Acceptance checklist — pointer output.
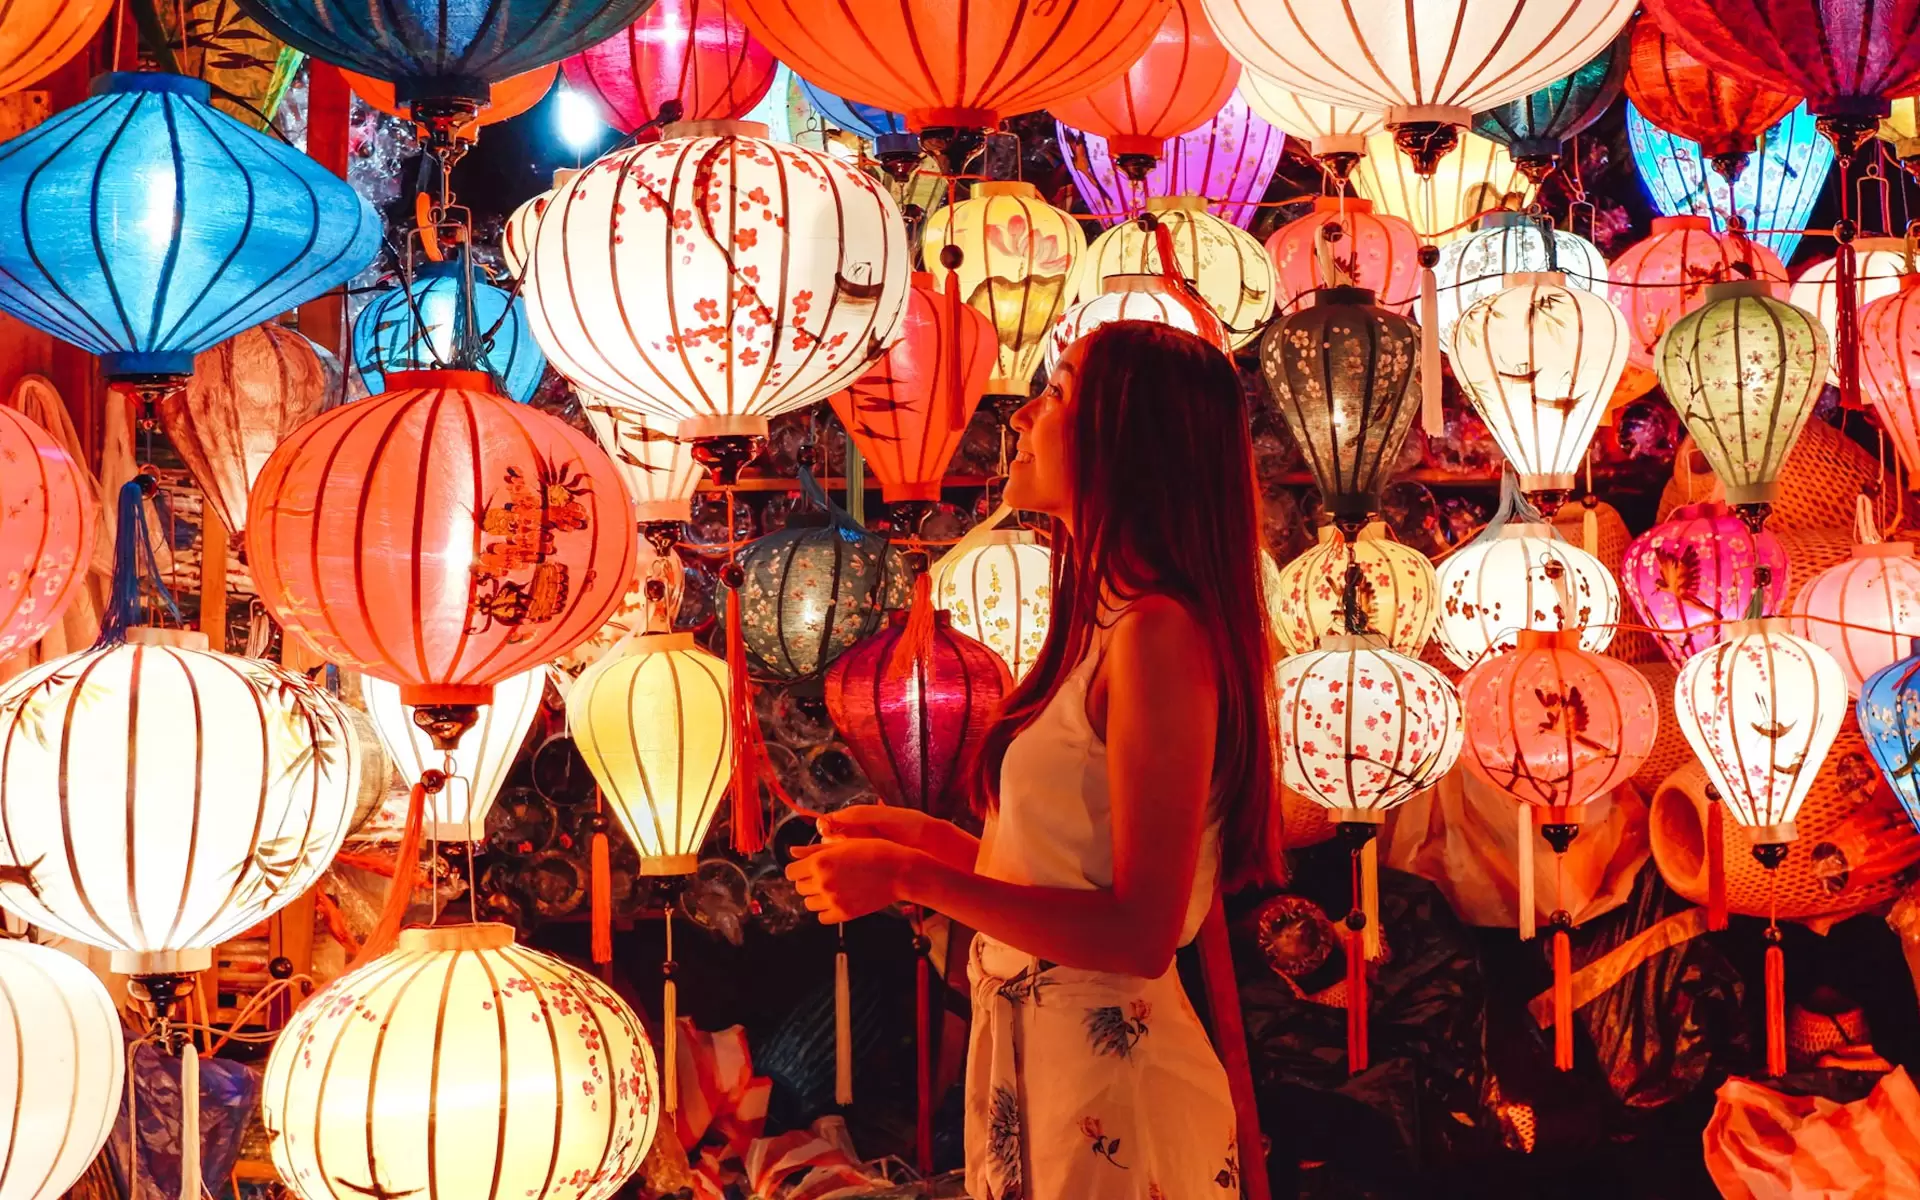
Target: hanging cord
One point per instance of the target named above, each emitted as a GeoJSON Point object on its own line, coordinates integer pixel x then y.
{"type": "Point", "coordinates": [670, 1021]}
{"type": "Point", "coordinates": [134, 562]}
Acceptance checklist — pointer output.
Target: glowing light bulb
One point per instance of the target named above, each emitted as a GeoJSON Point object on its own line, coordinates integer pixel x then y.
{"type": "Point", "coordinates": [574, 118]}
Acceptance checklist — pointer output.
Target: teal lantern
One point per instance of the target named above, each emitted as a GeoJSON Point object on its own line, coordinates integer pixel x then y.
{"type": "Point", "coordinates": [447, 318]}
{"type": "Point", "coordinates": [1889, 713]}
{"type": "Point", "coordinates": [1534, 127]}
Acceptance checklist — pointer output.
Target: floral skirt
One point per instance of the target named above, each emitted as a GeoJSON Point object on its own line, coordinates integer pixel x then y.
{"type": "Point", "coordinates": [1084, 1085]}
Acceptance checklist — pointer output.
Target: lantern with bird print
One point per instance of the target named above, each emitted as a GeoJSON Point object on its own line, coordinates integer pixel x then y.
{"type": "Point", "coordinates": [1658, 280]}
{"type": "Point", "coordinates": [1517, 576]}
{"type": "Point", "coordinates": [1699, 569]}
{"type": "Point", "coordinates": [1395, 591]}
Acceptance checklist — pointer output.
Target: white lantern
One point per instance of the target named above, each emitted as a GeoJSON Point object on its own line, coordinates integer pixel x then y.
{"type": "Point", "coordinates": [1879, 265]}
{"type": "Point", "coordinates": [1539, 360]}
{"type": "Point", "coordinates": [1475, 177]}
{"type": "Point", "coordinates": [1524, 577]}
{"type": "Point", "coordinates": [716, 279]}
{"type": "Point", "coordinates": [998, 589]}
{"type": "Point", "coordinates": [657, 467]}
{"type": "Point", "coordinates": [1332, 133]}
{"type": "Point", "coordinates": [62, 1065]}
{"type": "Point", "coordinates": [1226, 265]}
{"type": "Point", "coordinates": [161, 798]}
{"type": "Point", "coordinates": [1864, 611]}
{"type": "Point", "coordinates": [458, 811]}
{"type": "Point", "coordinates": [461, 1066]}
{"type": "Point", "coordinates": [1474, 267]}
{"type": "Point", "coordinates": [516, 236]}
{"type": "Point", "coordinates": [1123, 298]}
{"type": "Point", "coordinates": [1398, 593]}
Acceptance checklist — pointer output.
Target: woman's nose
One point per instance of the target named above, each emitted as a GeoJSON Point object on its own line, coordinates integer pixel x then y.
{"type": "Point", "coordinates": [1021, 421]}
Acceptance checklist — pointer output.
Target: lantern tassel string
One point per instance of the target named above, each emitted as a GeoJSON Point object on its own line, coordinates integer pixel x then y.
{"type": "Point", "coordinates": [912, 654]}
{"type": "Point", "coordinates": [1356, 983]}
{"type": "Point", "coordinates": [670, 1023]}
{"type": "Point", "coordinates": [922, 1047]}
{"type": "Point", "coordinates": [1562, 968]}
{"type": "Point", "coordinates": [1846, 272]}
{"type": "Point", "coordinates": [956, 398]}
{"type": "Point", "coordinates": [1432, 416]}
{"type": "Point", "coordinates": [1716, 862]}
{"type": "Point", "coordinates": [1523, 831]}
{"type": "Point", "coordinates": [1370, 899]}
{"type": "Point", "coordinates": [133, 560]}
{"type": "Point", "coordinates": [1776, 974]}
{"type": "Point", "coordinates": [189, 1122]}
{"type": "Point", "coordinates": [406, 869]}
{"type": "Point", "coordinates": [601, 887]}
{"type": "Point", "coordinates": [749, 836]}
{"type": "Point", "coordinates": [842, 1026]}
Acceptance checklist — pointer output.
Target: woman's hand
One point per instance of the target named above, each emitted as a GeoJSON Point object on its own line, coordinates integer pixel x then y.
{"type": "Point", "coordinates": [905, 826]}
{"type": "Point", "coordinates": [850, 878]}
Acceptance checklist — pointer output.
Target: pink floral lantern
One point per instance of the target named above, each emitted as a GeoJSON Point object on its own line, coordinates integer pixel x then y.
{"type": "Point", "coordinates": [1864, 611]}
{"type": "Point", "coordinates": [1700, 566]}
{"type": "Point", "coordinates": [1229, 160]}
{"type": "Point", "coordinates": [1344, 236]}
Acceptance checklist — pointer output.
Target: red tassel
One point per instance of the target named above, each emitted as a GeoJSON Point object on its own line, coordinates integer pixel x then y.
{"type": "Point", "coordinates": [914, 651]}
{"type": "Point", "coordinates": [1562, 1000]}
{"type": "Point", "coordinates": [406, 868]}
{"type": "Point", "coordinates": [1776, 1009]}
{"type": "Point", "coordinates": [602, 900]}
{"type": "Point", "coordinates": [749, 826]}
{"type": "Point", "coordinates": [1846, 282]}
{"type": "Point", "coordinates": [1207, 321]}
{"type": "Point", "coordinates": [1716, 867]}
{"type": "Point", "coordinates": [1356, 1005]}
{"type": "Point", "coordinates": [923, 1067]}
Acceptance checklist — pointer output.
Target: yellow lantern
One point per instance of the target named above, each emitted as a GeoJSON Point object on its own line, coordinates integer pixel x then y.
{"type": "Point", "coordinates": [1900, 129]}
{"type": "Point", "coordinates": [1475, 177]}
{"type": "Point", "coordinates": [997, 588]}
{"type": "Point", "coordinates": [1523, 577]}
{"type": "Point", "coordinates": [1880, 264]}
{"type": "Point", "coordinates": [1397, 591]}
{"type": "Point", "coordinates": [516, 236]}
{"type": "Point", "coordinates": [458, 811]}
{"type": "Point", "coordinates": [1020, 258]}
{"type": "Point", "coordinates": [1226, 265]}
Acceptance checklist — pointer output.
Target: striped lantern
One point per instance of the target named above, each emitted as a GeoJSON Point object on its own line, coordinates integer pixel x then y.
{"type": "Point", "coordinates": [1397, 591]}
{"type": "Point", "coordinates": [1478, 176]}
{"type": "Point", "coordinates": [695, 52]}
{"type": "Point", "coordinates": [461, 1065]}
{"type": "Point", "coordinates": [443, 313]}
{"type": "Point", "coordinates": [1336, 136]}
{"type": "Point", "coordinates": [1226, 265]}
{"type": "Point", "coordinates": [1509, 243]}
{"type": "Point", "coordinates": [62, 1065]}
{"type": "Point", "coordinates": [1175, 86]}
{"type": "Point", "coordinates": [1373, 251]}
{"type": "Point", "coordinates": [46, 531]}
{"type": "Point", "coordinates": [1230, 160]}
{"type": "Point", "coordinates": [998, 589]}
{"type": "Point", "coordinates": [1880, 266]}
{"type": "Point", "coordinates": [1122, 298]}
{"type": "Point", "coordinates": [507, 98]}
{"type": "Point", "coordinates": [1725, 113]}
{"type": "Point", "coordinates": [1523, 577]}
{"type": "Point", "coordinates": [1864, 611]}
{"type": "Point", "coordinates": [1661, 278]}
{"type": "Point", "coordinates": [458, 811]}
{"type": "Point", "coordinates": [658, 468]}
{"type": "Point", "coordinates": [35, 39]}
{"type": "Point", "coordinates": [1890, 367]}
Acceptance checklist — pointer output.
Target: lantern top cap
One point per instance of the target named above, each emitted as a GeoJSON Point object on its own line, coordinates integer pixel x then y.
{"type": "Point", "coordinates": [660, 643]}
{"type": "Point", "coordinates": [157, 635]}
{"type": "Point", "coordinates": [1515, 279]}
{"type": "Point", "coordinates": [1005, 187]}
{"type": "Point", "coordinates": [1685, 223]}
{"type": "Point", "coordinates": [443, 939]}
{"type": "Point", "coordinates": [1011, 537]}
{"type": "Point", "coordinates": [1342, 295]}
{"type": "Point", "coordinates": [1505, 218]}
{"type": "Point", "coordinates": [1334, 204]}
{"type": "Point", "coordinates": [1547, 639]}
{"type": "Point", "coordinates": [1737, 289]}
{"type": "Point", "coordinates": [122, 83]}
{"type": "Point", "coordinates": [1129, 281]}
{"type": "Point", "coordinates": [465, 381]}
{"type": "Point", "coordinates": [1755, 627]}
{"type": "Point", "coordinates": [1883, 550]}
{"type": "Point", "coordinates": [1184, 202]}
{"type": "Point", "coordinates": [696, 129]}
{"type": "Point", "coordinates": [1346, 643]}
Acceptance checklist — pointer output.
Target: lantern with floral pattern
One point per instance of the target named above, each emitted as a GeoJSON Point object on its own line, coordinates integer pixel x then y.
{"type": "Point", "coordinates": [1230, 160]}
{"type": "Point", "coordinates": [1343, 242]}
{"type": "Point", "coordinates": [1697, 570]}
{"type": "Point", "coordinates": [46, 531]}
{"type": "Point", "coordinates": [1395, 591]}
{"type": "Point", "coordinates": [1522, 577]}
{"type": "Point", "coordinates": [997, 589]}
{"type": "Point", "coordinates": [1225, 264]}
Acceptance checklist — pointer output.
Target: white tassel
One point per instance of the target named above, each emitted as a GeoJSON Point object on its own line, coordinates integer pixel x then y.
{"type": "Point", "coordinates": [189, 1122]}
{"type": "Point", "coordinates": [1866, 523]}
{"type": "Point", "coordinates": [1432, 417]}
{"type": "Point", "coordinates": [1525, 833]}
{"type": "Point", "coordinates": [842, 1033]}
{"type": "Point", "coordinates": [1370, 898]}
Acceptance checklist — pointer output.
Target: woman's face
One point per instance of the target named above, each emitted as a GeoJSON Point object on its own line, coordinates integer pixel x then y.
{"type": "Point", "coordinates": [1040, 478]}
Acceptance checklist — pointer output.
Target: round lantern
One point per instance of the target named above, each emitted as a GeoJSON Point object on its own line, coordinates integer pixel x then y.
{"type": "Point", "coordinates": [229, 227]}
{"type": "Point", "coordinates": [458, 811]}
{"type": "Point", "coordinates": [744, 278]}
{"type": "Point", "coordinates": [1889, 713]}
{"type": "Point", "coordinates": [657, 467]}
{"type": "Point", "coordinates": [1344, 242]}
{"type": "Point", "coordinates": [1890, 366]}
{"type": "Point", "coordinates": [441, 537]}
{"type": "Point", "coordinates": [37, 39]}
{"type": "Point", "coordinates": [931, 62]}
{"type": "Point", "coordinates": [162, 798]}
{"type": "Point", "coordinates": [1523, 577]}
{"type": "Point", "coordinates": [908, 413]}
{"type": "Point", "coordinates": [461, 1065]}
{"type": "Point", "coordinates": [1336, 137]}
{"type": "Point", "coordinates": [1396, 591]}
{"type": "Point", "coordinates": [1744, 371]}
{"type": "Point", "coordinates": [1020, 258]}
{"type": "Point", "coordinates": [1345, 374]}
{"type": "Point", "coordinates": [1880, 266]}
{"type": "Point", "coordinates": [1724, 112]}
{"type": "Point", "coordinates": [862, 120]}
{"type": "Point", "coordinates": [810, 592]}
{"type": "Point", "coordinates": [1176, 85]}
{"type": "Point", "coordinates": [46, 531]}
{"type": "Point", "coordinates": [506, 99]}
{"type": "Point", "coordinates": [1474, 267]}
{"type": "Point", "coordinates": [62, 1066]}
{"type": "Point", "coordinates": [694, 51]}
{"type": "Point", "coordinates": [1124, 298]}
{"type": "Point", "coordinates": [1476, 177]}
{"type": "Point", "coordinates": [914, 721]}
{"type": "Point", "coordinates": [1774, 194]}
{"type": "Point", "coordinates": [516, 236]}
{"type": "Point", "coordinates": [1539, 360]}
{"type": "Point", "coordinates": [440, 318]}
{"type": "Point", "coordinates": [1864, 611]}
{"type": "Point", "coordinates": [246, 395]}
{"type": "Point", "coordinates": [1900, 130]}
{"type": "Point", "coordinates": [999, 591]}
{"type": "Point", "coordinates": [651, 720]}
{"type": "Point", "coordinates": [1230, 160]}
{"type": "Point", "coordinates": [1659, 280]}
{"type": "Point", "coordinates": [1697, 569]}
{"type": "Point", "coordinates": [1226, 265]}
{"type": "Point", "coordinates": [1533, 127]}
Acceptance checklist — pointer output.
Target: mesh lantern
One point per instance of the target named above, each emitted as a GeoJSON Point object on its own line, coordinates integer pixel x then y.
{"type": "Point", "coordinates": [1522, 577]}
{"type": "Point", "coordinates": [1176, 85]}
{"type": "Point", "coordinates": [1344, 242]}
{"type": "Point", "coordinates": [1881, 264]}
{"type": "Point", "coordinates": [1890, 367]}
{"type": "Point", "coordinates": [1501, 244]}
{"type": "Point", "coordinates": [461, 1065]}
{"type": "Point", "coordinates": [46, 531]}
{"type": "Point", "coordinates": [743, 278]}
{"type": "Point", "coordinates": [997, 589]}
{"type": "Point", "coordinates": [1230, 160]}
{"type": "Point", "coordinates": [1534, 127]}
{"type": "Point", "coordinates": [1698, 569]}
{"type": "Point", "coordinates": [657, 467]}
{"type": "Point", "coordinates": [426, 323]}
{"type": "Point", "coordinates": [458, 811]}
{"type": "Point", "coordinates": [1123, 298]}
{"type": "Point", "coordinates": [1723, 112]}
{"type": "Point", "coordinates": [37, 39]}
{"type": "Point", "coordinates": [62, 1066]}
{"type": "Point", "coordinates": [1336, 137]}
{"type": "Point", "coordinates": [1019, 260]}
{"type": "Point", "coordinates": [1396, 591]}
{"type": "Point", "coordinates": [1864, 611]}
{"type": "Point", "coordinates": [696, 52]}
{"type": "Point", "coordinates": [1744, 371]}
{"type": "Point", "coordinates": [1889, 715]}
{"type": "Point", "coordinates": [1476, 177]}
{"type": "Point", "coordinates": [1660, 279]}
{"type": "Point", "coordinates": [1774, 194]}
{"type": "Point", "coordinates": [1226, 265]}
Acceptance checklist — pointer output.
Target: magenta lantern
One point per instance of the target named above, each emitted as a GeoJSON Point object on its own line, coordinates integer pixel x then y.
{"type": "Point", "coordinates": [1701, 565]}
{"type": "Point", "coordinates": [1229, 160]}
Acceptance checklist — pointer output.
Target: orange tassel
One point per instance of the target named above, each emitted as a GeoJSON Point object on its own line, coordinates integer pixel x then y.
{"type": "Point", "coordinates": [1716, 867]}
{"type": "Point", "coordinates": [602, 899]}
{"type": "Point", "coordinates": [914, 651]}
{"type": "Point", "coordinates": [1776, 1009]}
{"type": "Point", "coordinates": [406, 868]}
{"type": "Point", "coordinates": [1356, 1004]}
{"type": "Point", "coordinates": [1433, 418]}
{"type": "Point", "coordinates": [749, 833]}
{"type": "Point", "coordinates": [1562, 1000]}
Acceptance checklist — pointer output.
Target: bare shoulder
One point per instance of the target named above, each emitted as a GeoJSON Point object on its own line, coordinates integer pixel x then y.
{"type": "Point", "coordinates": [1163, 637]}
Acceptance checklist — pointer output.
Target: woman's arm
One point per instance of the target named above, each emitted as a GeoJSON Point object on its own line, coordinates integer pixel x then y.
{"type": "Point", "coordinates": [916, 830]}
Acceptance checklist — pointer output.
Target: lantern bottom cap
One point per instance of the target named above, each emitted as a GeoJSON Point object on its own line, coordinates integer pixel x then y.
{"type": "Point", "coordinates": [1751, 493]}
{"type": "Point", "coordinates": [1438, 114]}
{"type": "Point", "coordinates": [646, 511]}
{"type": "Point", "coordinates": [922, 119]}
{"type": "Point", "coordinates": [420, 695]}
{"type": "Point", "coordinates": [1560, 481]}
{"type": "Point", "coordinates": [484, 935]}
{"type": "Point", "coordinates": [134, 364]}
{"type": "Point", "coordinates": [717, 425]}
{"type": "Point", "coordinates": [670, 864]}
{"type": "Point", "coordinates": [1772, 835]}
{"type": "Point", "coordinates": [1339, 143]}
{"type": "Point", "coordinates": [160, 962]}
{"type": "Point", "coordinates": [460, 832]}
{"type": "Point", "coordinates": [1358, 816]}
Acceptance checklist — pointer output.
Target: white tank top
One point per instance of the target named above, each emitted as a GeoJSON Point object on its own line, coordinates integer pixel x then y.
{"type": "Point", "coordinates": [1054, 825]}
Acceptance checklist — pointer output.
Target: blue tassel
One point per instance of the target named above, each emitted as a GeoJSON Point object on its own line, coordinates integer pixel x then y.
{"type": "Point", "coordinates": [132, 555]}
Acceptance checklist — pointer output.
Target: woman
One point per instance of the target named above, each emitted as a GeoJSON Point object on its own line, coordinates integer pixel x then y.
{"type": "Point", "coordinates": [1126, 766]}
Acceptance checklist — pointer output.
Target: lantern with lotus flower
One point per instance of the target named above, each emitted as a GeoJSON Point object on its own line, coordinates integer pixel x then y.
{"type": "Point", "coordinates": [1699, 569]}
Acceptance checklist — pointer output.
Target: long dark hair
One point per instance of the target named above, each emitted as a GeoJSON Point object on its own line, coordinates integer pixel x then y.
{"type": "Point", "coordinates": [1165, 504]}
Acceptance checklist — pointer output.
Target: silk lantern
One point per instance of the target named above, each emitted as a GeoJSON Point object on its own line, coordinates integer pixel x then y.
{"type": "Point", "coordinates": [1773, 195]}
{"type": "Point", "coordinates": [1124, 298]}
{"type": "Point", "coordinates": [46, 531]}
{"type": "Point", "coordinates": [37, 39]}
{"type": "Point", "coordinates": [813, 589]}
{"type": "Point", "coordinates": [696, 52]}
{"type": "Point", "coordinates": [461, 1065]}
{"type": "Point", "coordinates": [1881, 264]}
{"type": "Point", "coordinates": [479, 764]}
{"type": "Point", "coordinates": [1864, 611]}
{"type": "Point", "coordinates": [1343, 242]}
{"type": "Point", "coordinates": [657, 467]}
{"type": "Point", "coordinates": [1476, 177]}
{"type": "Point", "coordinates": [743, 279]}
{"type": "Point", "coordinates": [506, 99]}
{"type": "Point", "coordinates": [1344, 373]}
{"type": "Point", "coordinates": [516, 235]}
{"type": "Point", "coordinates": [1395, 591]}
{"type": "Point", "coordinates": [1176, 85]}
{"type": "Point", "coordinates": [898, 148]}
{"type": "Point", "coordinates": [1020, 258]}
{"type": "Point", "coordinates": [448, 315]}
{"type": "Point", "coordinates": [1539, 361]}
{"type": "Point", "coordinates": [1226, 265]}
{"type": "Point", "coordinates": [908, 413]}
{"type": "Point", "coordinates": [145, 226]}
{"type": "Point", "coordinates": [441, 537]}
{"type": "Point", "coordinates": [1723, 112]}
{"type": "Point", "coordinates": [1522, 577]}
{"type": "Point", "coordinates": [1229, 160]}
{"type": "Point", "coordinates": [1890, 366]}
{"type": "Point", "coordinates": [62, 1066]}
{"type": "Point", "coordinates": [1336, 137]}
{"type": "Point", "coordinates": [1474, 267]}
{"type": "Point", "coordinates": [1697, 570]}
{"type": "Point", "coordinates": [1533, 127]}
{"type": "Point", "coordinates": [1657, 281]}
{"type": "Point", "coordinates": [1889, 715]}
{"type": "Point", "coordinates": [1744, 371]}
{"type": "Point", "coordinates": [996, 587]}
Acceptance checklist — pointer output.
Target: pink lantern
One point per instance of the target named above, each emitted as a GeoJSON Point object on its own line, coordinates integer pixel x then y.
{"type": "Point", "coordinates": [1230, 160]}
{"type": "Point", "coordinates": [1664, 277]}
{"type": "Point", "coordinates": [1700, 566]}
{"type": "Point", "coordinates": [1373, 250]}
{"type": "Point", "coordinates": [1864, 611]}
{"type": "Point", "coordinates": [697, 52]}
{"type": "Point", "coordinates": [46, 531]}
{"type": "Point", "coordinates": [1890, 366]}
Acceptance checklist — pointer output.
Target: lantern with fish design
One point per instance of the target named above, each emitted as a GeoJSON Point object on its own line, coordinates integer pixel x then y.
{"type": "Point", "coordinates": [1699, 569]}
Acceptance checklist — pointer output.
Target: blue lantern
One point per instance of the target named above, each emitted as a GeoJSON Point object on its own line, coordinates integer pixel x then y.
{"type": "Point", "coordinates": [1889, 712]}
{"type": "Point", "coordinates": [1774, 194]}
{"type": "Point", "coordinates": [430, 325]}
{"type": "Point", "coordinates": [145, 225]}
{"type": "Point", "coordinates": [1533, 127]}
{"type": "Point", "coordinates": [896, 146]}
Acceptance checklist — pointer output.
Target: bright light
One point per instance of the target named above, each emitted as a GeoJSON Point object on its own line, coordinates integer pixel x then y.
{"type": "Point", "coordinates": [577, 122]}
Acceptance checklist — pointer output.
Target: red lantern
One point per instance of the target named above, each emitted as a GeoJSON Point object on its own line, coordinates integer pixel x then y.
{"type": "Point", "coordinates": [1663, 278]}
{"type": "Point", "coordinates": [1175, 87]}
{"type": "Point", "coordinates": [1677, 92]}
{"type": "Point", "coordinates": [909, 411]}
{"type": "Point", "coordinates": [46, 530]}
{"type": "Point", "coordinates": [441, 537]}
{"type": "Point", "coordinates": [695, 51]}
{"type": "Point", "coordinates": [1373, 250]}
{"type": "Point", "coordinates": [1890, 366]}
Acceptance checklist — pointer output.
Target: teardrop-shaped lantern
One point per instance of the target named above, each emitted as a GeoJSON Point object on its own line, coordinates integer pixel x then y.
{"type": "Point", "coordinates": [695, 52]}
{"type": "Point", "coordinates": [1773, 195]}
{"type": "Point", "coordinates": [1522, 577]}
{"type": "Point", "coordinates": [658, 468]}
{"type": "Point", "coordinates": [1534, 127]}
{"type": "Point", "coordinates": [1663, 277]}
{"type": "Point", "coordinates": [1696, 571]}
{"type": "Point", "coordinates": [1476, 177]}
{"type": "Point", "coordinates": [1396, 591]}
{"type": "Point", "coordinates": [1177, 84]}
{"type": "Point", "coordinates": [1123, 298]}
{"type": "Point", "coordinates": [1343, 242]}
{"type": "Point", "coordinates": [431, 321]}
{"type": "Point", "coordinates": [46, 531]}
{"type": "Point", "coordinates": [61, 1076]}
{"type": "Point", "coordinates": [1336, 136]}
{"type": "Point", "coordinates": [998, 589]}
{"type": "Point", "coordinates": [1474, 267]}
{"type": "Point", "coordinates": [1226, 265]}
{"type": "Point", "coordinates": [1880, 265]}
{"type": "Point", "coordinates": [1890, 367]}
{"type": "Point", "coordinates": [458, 811]}
{"type": "Point", "coordinates": [1889, 714]}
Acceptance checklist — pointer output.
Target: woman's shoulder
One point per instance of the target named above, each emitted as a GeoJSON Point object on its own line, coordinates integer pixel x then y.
{"type": "Point", "coordinates": [1160, 629]}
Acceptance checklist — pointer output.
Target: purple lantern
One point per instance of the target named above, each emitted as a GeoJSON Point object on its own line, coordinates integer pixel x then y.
{"type": "Point", "coordinates": [1229, 160]}
{"type": "Point", "coordinates": [1697, 567]}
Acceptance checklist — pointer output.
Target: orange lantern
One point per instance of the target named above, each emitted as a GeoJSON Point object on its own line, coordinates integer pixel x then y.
{"type": "Point", "coordinates": [1676, 92]}
{"type": "Point", "coordinates": [511, 97]}
{"type": "Point", "coordinates": [36, 39]}
{"type": "Point", "coordinates": [1176, 86]}
{"type": "Point", "coordinates": [441, 537]}
{"type": "Point", "coordinates": [694, 51]}
{"type": "Point", "coordinates": [46, 530]}
{"type": "Point", "coordinates": [961, 63]}
{"type": "Point", "coordinates": [908, 412]}
{"type": "Point", "coordinates": [1343, 242]}
{"type": "Point", "coordinates": [1662, 278]}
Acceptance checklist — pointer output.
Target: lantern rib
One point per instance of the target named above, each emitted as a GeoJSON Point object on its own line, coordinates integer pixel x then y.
{"type": "Point", "coordinates": [665, 843]}
{"type": "Point", "coordinates": [99, 249]}
{"type": "Point", "coordinates": [711, 791]}
{"type": "Point", "coordinates": [372, 1068]}
{"type": "Point", "coordinates": [26, 295]}
{"type": "Point", "coordinates": [66, 823]}
{"type": "Point", "coordinates": [199, 779]}
{"type": "Point", "coordinates": [506, 1074]}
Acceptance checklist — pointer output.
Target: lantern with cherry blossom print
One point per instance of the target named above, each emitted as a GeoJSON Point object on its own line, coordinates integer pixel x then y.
{"type": "Point", "coordinates": [1501, 244]}
{"type": "Point", "coordinates": [1880, 264]}
{"type": "Point", "coordinates": [1476, 177]}
{"type": "Point", "coordinates": [1124, 298]}
{"type": "Point", "coordinates": [1520, 576]}
{"type": "Point", "coordinates": [1344, 242]}
{"type": "Point", "coordinates": [1226, 265]}
{"type": "Point", "coordinates": [1336, 137]}
{"type": "Point", "coordinates": [996, 586]}
{"type": "Point", "coordinates": [1534, 126]}
{"type": "Point", "coordinates": [1698, 569]}
{"type": "Point", "coordinates": [1890, 366]}
{"type": "Point", "coordinates": [1773, 195]}
{"type": "Point", "coordinates": [1394, 591]}
{"type": "Point", "coordinates": [1658, 280]}
{"type": "Point", "coordinates": [1722, 111]}
{"type": "Point", "coordinates": [695, 52]}
{"type": "Point", "coordinates": [46, 531]}
{"type": "Point", "coordinates": [1176, 85]}
{"type": "Point", "coordinates": [1230, 160]}
{"type": "Point", "coordinates": [35, 39]}
{"type": "Point", "coordinates": [658, 468]}
{"type": "Point", "coordinates": [1864, 611]}
{"type": "Point", "coordinates": [458, 811]}
{"type": "Point", "coordinates": [1889, 715]}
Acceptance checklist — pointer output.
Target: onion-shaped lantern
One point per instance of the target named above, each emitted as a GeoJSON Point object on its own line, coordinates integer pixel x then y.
{"type": "Point", "coordinates": [62, 1071]}
{"type": "Point", "coordinates": [813, 589]}
{"type": "Point", "coordinates": [1657, 281]}
{"type": "Point", "coordinates": [744, 278]}
{"type": "Point", "coordinates": [1744, 371]}
{"type": "Point", "coordinates": [441, 537]}
{"type": "Point", "coordinates": [1509, 243]}
{"type": "Point", "coordinates": [696, 52]}
{"type": "Point", "coordinates": [1475, 178]}
{"type": "Point", "coordinates": [908, 413]}
{"type": "Point", "coordinates": [516, 236]}
{"type": "Point", "coordinates": [1123, 298]}
{"type": "Point", "coordinates": [1395, 591]}
{"type": "Point", "coordinates": [652, 721]}
{"type": "Point", "coordinates": [1880, 265]}
{"type": "Point", "coordinates": [1343, 242]}
{"type": "Point", "coordinates": [1226, 265]}
{"type": "Point", "coordinates": [506, 99]}
{"type": "Point", "coordinates": [1230, 160]}
{"type": "Point", "coordinates": [46, 531]}
{"type": "Point", "coordinates": [1523, 577]}
{"type": "Point", "coordinates": [1724, 112]}
{"type": "Point", "coordinates": [914, 716]}
{"type": "Point", "coordinates": [998, 589]}
{"type": "Point", "coordinates": [1864, 611]}
{"type": "Point", "coordinates": [1890, 366]}
{"type": "Point", "coordinates": [457, 812]}
{"type": "Point", "coordinates": [225, 228]}
{"type": "Point", "coordinates": [1773, 195]}
{"type": "Point", "coordinates": [1539, 360]}
{"type": "Point", "coordinates": [1345, 374]}
{"type": "Point", "coordinates": [461, 1065]}
{"type": "Point", "coordinates": [1533, 127]}
{"type": "Point", "coordinates": [1019, 260]}
{"type": "Point", "coordinates": [37, 39]}
{"type": "Point", "coordinates": [1697, 570]}
{"type": "Point", "coordinates": [1889, 714]}
{"type": "Point", "coordinates": [1176, 85]}
{"type": "Point", "coordinates": [1336, 137]}
{"type": "Point", "coordinates": [161, 798]}
{"type": "Point", "coordinates": [657, 467]}
{"type": "Point", "coordinates": [447, 315]}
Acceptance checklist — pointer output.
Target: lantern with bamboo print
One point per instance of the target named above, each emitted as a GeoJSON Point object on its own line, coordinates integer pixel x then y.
{"type": "Point", "coordinates": [1864, 611]}
{"type": "Point", "coordinates": [1223, 264]}
{"type": "Point", "coordinates": [1397, 592]}
{"type": "Point", "coordinates": [1336, 137]}
{"type": "Point", "coordinates": [696, 53]}
{"type": "Point", "coordinates": [1698, 570]}
{"type": "Point", "coordinates": [1555, 727]}
{"type": "Point", "coordinates": [1761, 709]}
{"type": "Point", "coordinates": [657, 467]}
